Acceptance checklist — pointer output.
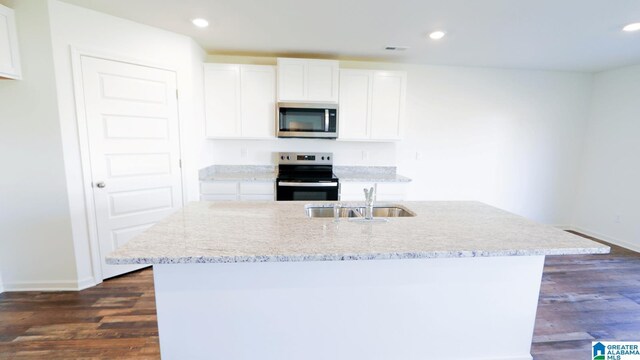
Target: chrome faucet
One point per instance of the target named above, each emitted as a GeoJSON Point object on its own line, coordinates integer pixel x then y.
{"type": "Point", "coordinates": [369, 196]}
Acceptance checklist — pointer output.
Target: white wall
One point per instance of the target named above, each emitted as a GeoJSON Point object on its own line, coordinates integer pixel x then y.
{"type": "Point", "coordinates": [35, 247]}
{"type": "Point", "coordinates": [510, 138]}
{"type": "Point", "coordinates": [609, 194]}
{"type": "Point", "coordinates": [111, 37]}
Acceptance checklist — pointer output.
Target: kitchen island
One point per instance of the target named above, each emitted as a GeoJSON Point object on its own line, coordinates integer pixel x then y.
{"type": "Point", "coordinates": [262, 280]}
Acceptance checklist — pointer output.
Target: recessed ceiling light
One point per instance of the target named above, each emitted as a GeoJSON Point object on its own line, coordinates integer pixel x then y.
{"type": "Point", "coordinates": [437, 35]}
{"type": "Point", "coordinates": [199, 22]}
{"type": "Point", "coordinates": [632, 27]}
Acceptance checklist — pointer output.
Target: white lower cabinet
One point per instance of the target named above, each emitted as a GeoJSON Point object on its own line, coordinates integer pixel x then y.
{"type": "Point", "coordinates": [237, 190]}
{"type": "Point", "coordinates": [384, 191]}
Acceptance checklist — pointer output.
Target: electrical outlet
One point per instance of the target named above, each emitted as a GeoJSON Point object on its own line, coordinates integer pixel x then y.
{"type": "Point", "coordinates": [244, 153]}
{"type": "Point", "coordinates": [365, 155]}
{"type": "Point", "coordinates": [418, 155]}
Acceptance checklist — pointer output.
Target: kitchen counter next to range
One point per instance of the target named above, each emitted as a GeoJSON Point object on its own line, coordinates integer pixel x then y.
{"type": "Point", "coordinates": [269, 173]}
{"type": "Point", "coordinates": [369, 174]}
{"type": "Point", "coordinates": [227, 232]}
{"type": "Point", "coordinates": [238, 173]}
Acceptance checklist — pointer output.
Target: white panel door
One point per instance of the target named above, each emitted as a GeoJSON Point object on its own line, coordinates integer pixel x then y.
{"type": "Point", "coordinates": [322, 83]}
{"type": "Point", "coordinates": [133, 132]}
{"type": "Point", "coordinates": [258, 98]}
{"type": "Point", "coordinates": [222, 100]}
{"type": "Point", "coordinates": [291, 80]}
{"type": "Point", "coordinates": [355, 90]}
{"type": "Point", "coordinates": [387, 104]}
{"type": "Point", "coordinates": [9, 57]}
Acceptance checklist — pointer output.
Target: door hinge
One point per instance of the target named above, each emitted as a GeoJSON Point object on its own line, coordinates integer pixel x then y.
{"type": "Point", "coordinates": [180, 163]}
{"type": "Point", "coordinates": [176, 93]}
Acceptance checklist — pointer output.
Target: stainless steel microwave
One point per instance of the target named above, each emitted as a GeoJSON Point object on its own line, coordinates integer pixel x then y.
{"type": "Point", "coordinates": [307, 120]}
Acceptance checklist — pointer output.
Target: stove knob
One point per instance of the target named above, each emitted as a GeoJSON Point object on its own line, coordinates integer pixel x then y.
{"type": "Point", "coordinates": [282, 157]}
{"type": "Point", "coordinates": [323, 158]}
{"type": "Point", "coordinates": [287, 157]}
{"type": "Point", "coordinates": [328, 157]}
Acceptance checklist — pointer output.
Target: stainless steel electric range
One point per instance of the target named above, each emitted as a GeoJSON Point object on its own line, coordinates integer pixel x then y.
{"type": "Point", "coordinates": [306, 176]}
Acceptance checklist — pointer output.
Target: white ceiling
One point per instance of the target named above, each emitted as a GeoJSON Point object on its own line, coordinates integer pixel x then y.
{"type": "Point", "coordinates": [582, 35]}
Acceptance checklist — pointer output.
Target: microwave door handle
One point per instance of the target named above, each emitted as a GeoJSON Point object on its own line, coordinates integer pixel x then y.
{"type": "Point", "coordinates": [326, 120]}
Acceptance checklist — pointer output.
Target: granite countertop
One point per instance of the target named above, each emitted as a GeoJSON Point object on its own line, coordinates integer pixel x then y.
{"type": "Point", "coordinates": [369, 174]}
{"type": "Point", "coordinates": [227, 232]}
{"type": "Point", "coordinates": [239, 173]}
{"type": "Point", "coordinates": [269, 173]}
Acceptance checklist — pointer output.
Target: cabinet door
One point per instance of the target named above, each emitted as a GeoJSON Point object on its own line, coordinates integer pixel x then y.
{"type": "Point", "coordinates": [257, 188]}
{"type": "Point", "coordinates": [355, 91]}
{"type": "Point", "coordinates": [387, 104]}
{"type": "Point", "coordinates": [291, 80]}
{"type": "Point", "coordinates": [322, 80]}
{"type": "Point", "coordinates": [9, 58]}
{"type": "Point", "coordinates": [222, 100]}
{"type": "Point", "coordinates": [353, 191]}
{"type": "Point", "coordinates": [258, 97]}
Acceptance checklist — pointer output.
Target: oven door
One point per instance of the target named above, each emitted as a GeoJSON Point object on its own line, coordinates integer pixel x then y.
{"type": "Point", "coordinates": [287, 190]}
{"type": "Point", "coordinates": [307, 120]}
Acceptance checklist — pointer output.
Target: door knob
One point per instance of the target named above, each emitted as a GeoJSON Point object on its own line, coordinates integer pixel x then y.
{"type": "Point", "coordinates": [101, 184]}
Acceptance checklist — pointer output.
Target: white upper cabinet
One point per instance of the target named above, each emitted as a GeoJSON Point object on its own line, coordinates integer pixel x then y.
{"type": "Point", "coordinates": [307, 80]}
{"type": "Point", "coordinates": [387, 104]}
{"type": "Point", "coordinates": [355, 104]}
{"type": "Point", "coordinates": [222, 99]}
{"type": "Point", "coordinates": [258, 101]}
{"type": "Point", "coordinates": [371, 104]}
{"type": "Point", "coordinates": [240, 101]}
{"type": "Point", "coordinates": [9, 55]}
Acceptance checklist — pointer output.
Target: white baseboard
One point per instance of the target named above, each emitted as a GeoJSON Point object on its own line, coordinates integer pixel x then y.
{"type": "Point", "coordinates": [86, 283]}
{"type": "Point", "coordinates": [609, 239]}
{"type": "Point", "coordinates": [49, 285]}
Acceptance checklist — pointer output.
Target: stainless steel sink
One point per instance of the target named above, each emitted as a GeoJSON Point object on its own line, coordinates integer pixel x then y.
{"type": "Point", "coordinates": [326, 211]}
{"type": "Point", "coordinates": [388, 211]}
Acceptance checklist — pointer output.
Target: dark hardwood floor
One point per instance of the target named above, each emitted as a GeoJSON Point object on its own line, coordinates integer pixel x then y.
{"type": "Point", "coordinates": [582, 298]}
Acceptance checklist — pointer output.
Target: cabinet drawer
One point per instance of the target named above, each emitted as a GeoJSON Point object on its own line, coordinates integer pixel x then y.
{"type": "Point", "coordinates": [351, 197]}
{"type": "Point", "coordinates": [219, 187]}
{"type": "Point", "coordinates": [257, 188]}
{"type": "Point", "coordinates": [255, 197]}
{"type": "Point", "coordinates": [218, 197]}
{"type": "Point", "coordinates": [391, 188]}
{"type": "Point", "coordinates": [390, 197]}
{"type": "Point", "coordinates": [355, 187]}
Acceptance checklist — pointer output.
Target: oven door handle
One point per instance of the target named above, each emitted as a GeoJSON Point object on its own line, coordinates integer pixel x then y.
{"type": "Point", "coordinates": [303, 184]}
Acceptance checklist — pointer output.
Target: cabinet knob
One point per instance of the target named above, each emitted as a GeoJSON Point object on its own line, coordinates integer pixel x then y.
{"type": "Point", "coordinates": [101, 185]}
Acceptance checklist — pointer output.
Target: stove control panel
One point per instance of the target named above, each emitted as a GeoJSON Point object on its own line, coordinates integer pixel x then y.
{"type": "Point", "coordinates": [305, 158]}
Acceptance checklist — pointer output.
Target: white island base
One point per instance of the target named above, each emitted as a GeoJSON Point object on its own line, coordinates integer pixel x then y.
{"type": "Point", "coordinates": [441, 308]}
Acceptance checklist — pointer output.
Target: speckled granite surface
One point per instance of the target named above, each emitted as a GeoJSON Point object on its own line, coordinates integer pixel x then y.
{"type": "Point", "coordinates": [239, 173]}
{"type": "Point", "coordinates": [214, 232]}
{"type": "Point", "coordinates": [369, 173]}
{"type": "Point", "coordinates": [269, 173]}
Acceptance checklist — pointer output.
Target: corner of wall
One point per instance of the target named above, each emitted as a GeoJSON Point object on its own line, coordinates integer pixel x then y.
{"type": "Point", "coordinates": [39, 248]}
{"type": "Point", "coordinates": [581, 160]}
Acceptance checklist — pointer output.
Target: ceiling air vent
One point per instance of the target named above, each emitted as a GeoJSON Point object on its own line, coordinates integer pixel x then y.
{"type": "Point", "coordinates": [396, 48]}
